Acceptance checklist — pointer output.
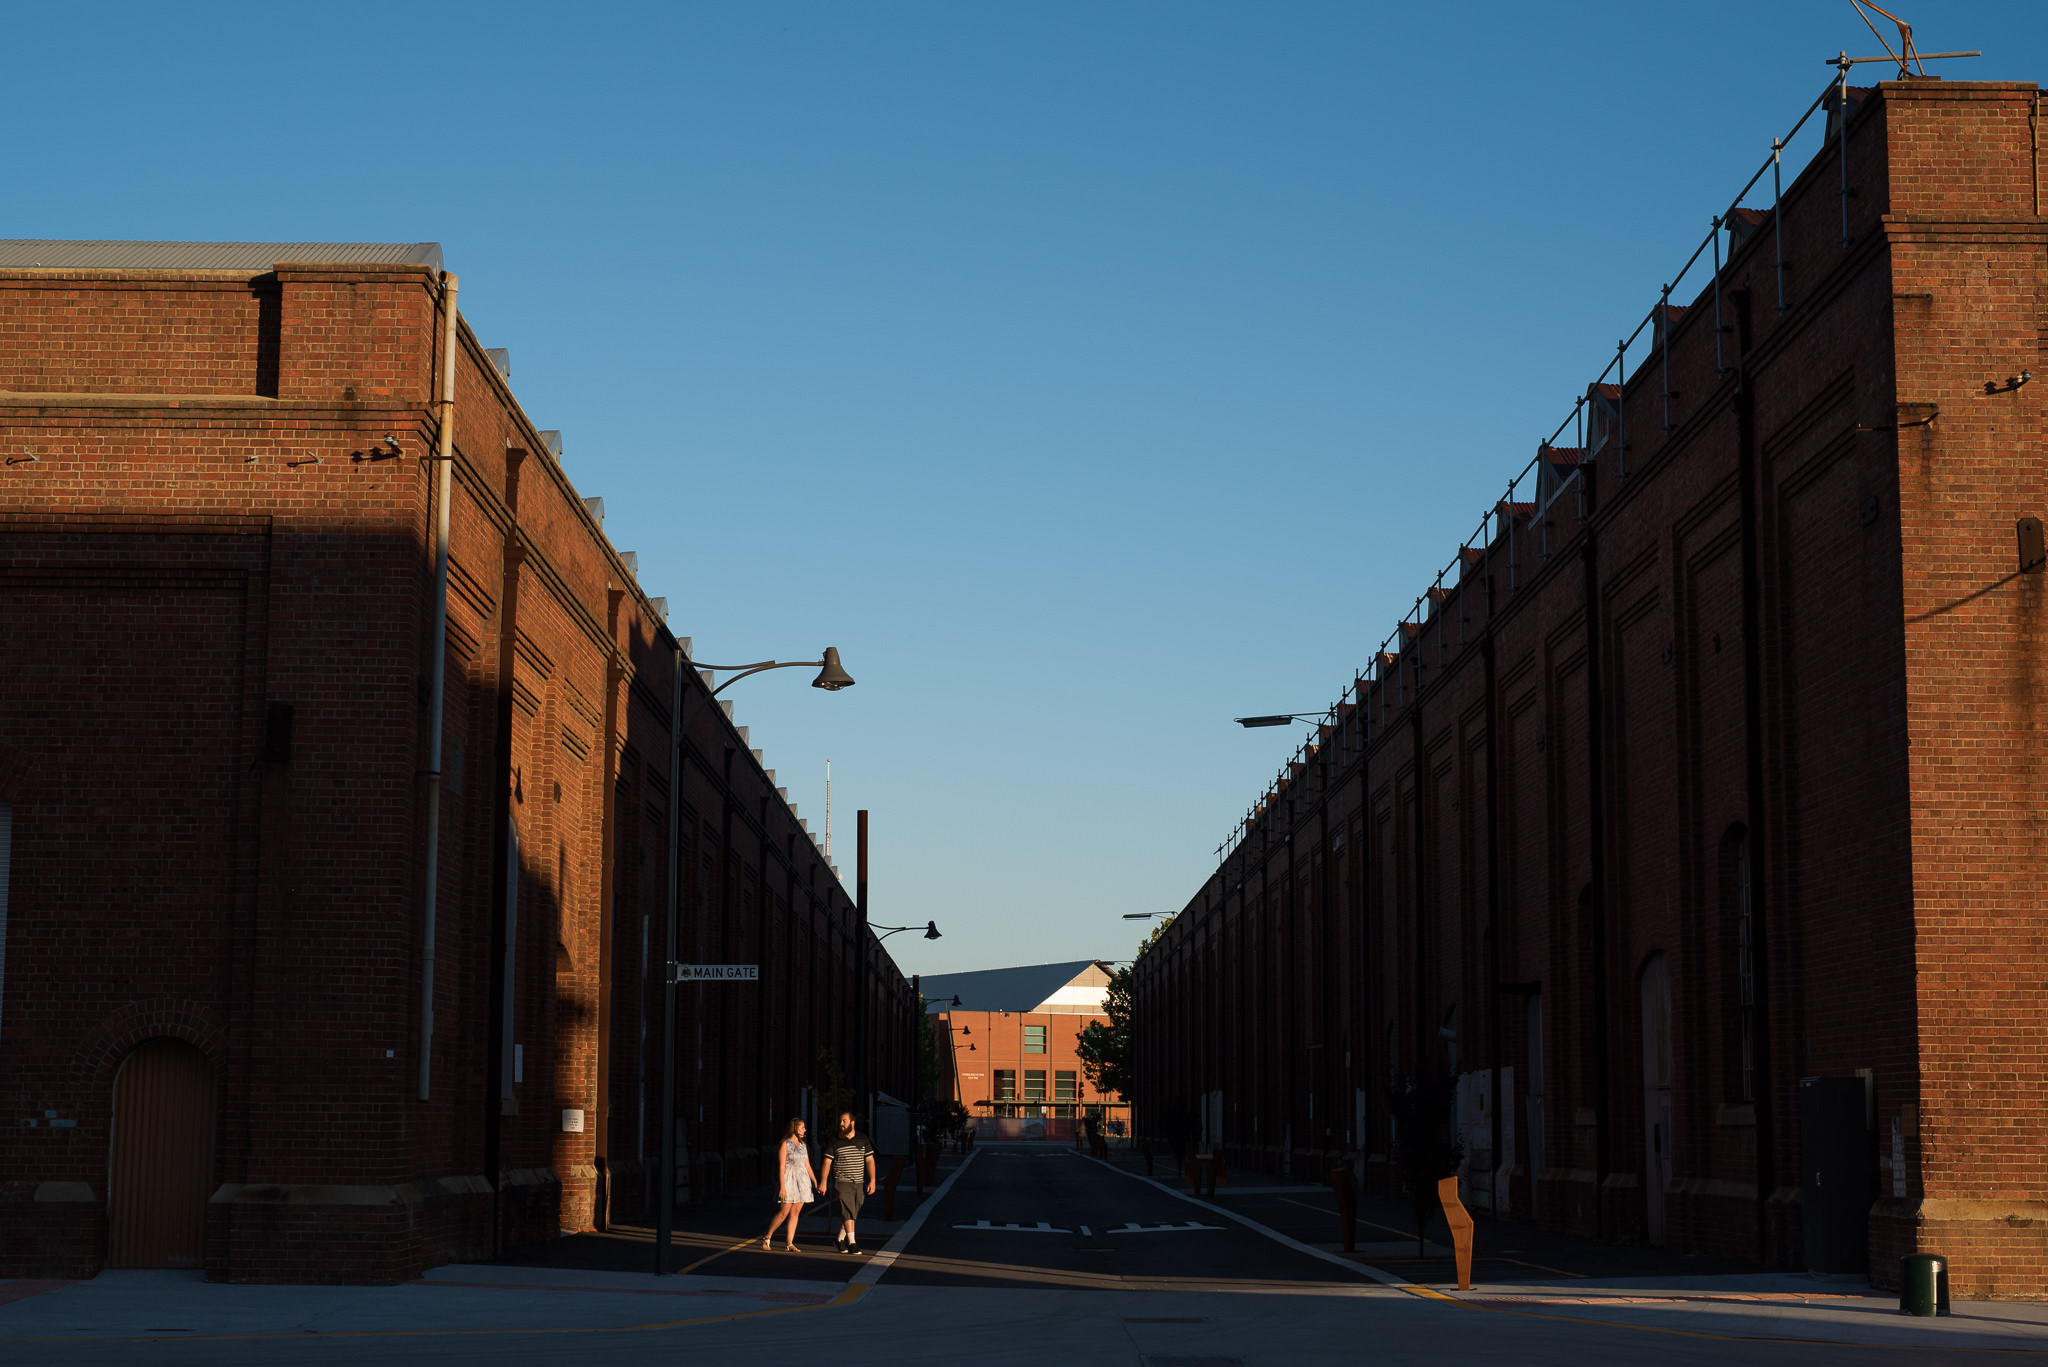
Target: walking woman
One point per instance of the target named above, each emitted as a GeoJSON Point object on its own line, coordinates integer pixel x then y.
{"type": "Point", "coordinates": [797, 1190]}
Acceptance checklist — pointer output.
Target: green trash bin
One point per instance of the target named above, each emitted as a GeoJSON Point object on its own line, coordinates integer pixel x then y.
{"type": "Point", "coordinates": [1923, 1284]}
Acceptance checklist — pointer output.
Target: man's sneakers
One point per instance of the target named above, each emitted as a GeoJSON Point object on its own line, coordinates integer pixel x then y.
{"type": "Point", "coordinates": [855, 1249]}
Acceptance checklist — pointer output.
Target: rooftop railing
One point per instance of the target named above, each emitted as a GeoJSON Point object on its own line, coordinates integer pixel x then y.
{"type": "Point", "coordinates": [1393, 677]}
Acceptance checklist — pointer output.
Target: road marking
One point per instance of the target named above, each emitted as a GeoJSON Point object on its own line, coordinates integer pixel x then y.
{"type": "Point", "coordinates": [1087, 1231]}
{"type": "Point", "coordinates": [1040, 1228]}
{"type": "Point", "coordinates": [882, 1261]}
{"type": "Point", "coordinates": [1363, 1270]}
{"type": "Point", "coordinates": [1430, 1293]}
{"type": "Point", "coordinates": [1132, 1228]}
{"type": "Point", "coordinates": [1409, 1234]}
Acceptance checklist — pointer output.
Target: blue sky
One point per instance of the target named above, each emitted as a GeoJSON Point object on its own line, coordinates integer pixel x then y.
{"type": "Point", "coordinates": [1090, 374]}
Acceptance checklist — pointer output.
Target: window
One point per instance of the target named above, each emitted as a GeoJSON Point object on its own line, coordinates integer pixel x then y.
{"type": "Point", "coordinates": [1034, 1084]}
{"type": "Point", "coordinates": [1063, 1085]}
{"type": "Point", "coordinates": [1006, 1084]}
{"type": "Point", "coordinates": [1034, 1039]}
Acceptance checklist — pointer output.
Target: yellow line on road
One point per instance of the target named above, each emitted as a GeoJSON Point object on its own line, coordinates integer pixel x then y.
{"type": "Point", "coordinates": [714, 1257]}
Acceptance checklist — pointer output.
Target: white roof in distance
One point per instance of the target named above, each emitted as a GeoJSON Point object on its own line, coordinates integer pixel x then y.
{"type": "Point", "coordinates": [1074, 988]}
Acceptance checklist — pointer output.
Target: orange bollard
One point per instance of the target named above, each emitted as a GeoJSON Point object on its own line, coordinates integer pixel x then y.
{"type": "Point", "coordinates": [1460, 1222]}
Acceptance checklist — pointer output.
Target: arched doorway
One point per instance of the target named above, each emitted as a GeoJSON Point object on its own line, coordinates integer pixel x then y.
{"type": "Point", "coordinates": [160, 1168]}
{"type": "Point", "coordinates": [1656, 1007]}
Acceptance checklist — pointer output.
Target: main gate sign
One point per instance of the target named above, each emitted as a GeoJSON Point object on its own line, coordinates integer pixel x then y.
{"type": "Point", "coordinates": [714, 973]}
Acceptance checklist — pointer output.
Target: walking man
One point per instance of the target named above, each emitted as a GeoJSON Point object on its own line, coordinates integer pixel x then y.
{"type": "Point", "coordinates": [850, 1172]}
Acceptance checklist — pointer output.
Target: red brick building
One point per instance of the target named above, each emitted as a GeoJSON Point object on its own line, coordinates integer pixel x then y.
{"type": "Point", "coordinates": [1695, 819]}
{"type": "Point", "coordinates": [1007, 1040]}
{"type": "Point", "coordinates": [239, 1026]}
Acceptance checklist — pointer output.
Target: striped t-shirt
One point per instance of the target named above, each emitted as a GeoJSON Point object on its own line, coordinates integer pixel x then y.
{"type": "Point", "coordinates": [849, 1155]}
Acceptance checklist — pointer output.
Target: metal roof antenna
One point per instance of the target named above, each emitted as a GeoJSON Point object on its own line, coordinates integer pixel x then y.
{"type": "Point", "coordinates": [1907, 52]}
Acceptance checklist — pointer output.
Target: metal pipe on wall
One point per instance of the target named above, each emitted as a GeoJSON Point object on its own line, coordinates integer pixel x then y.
{"type": "Point", "coordinates": [665, 1178]}
{"type": "Point", "coordinates": [500, 1041]}
{"type": "Point", "coordinates": [1596, 847]}
{"type": "Point", "coordinates": [1751, 497]}
{"type": "Point", "coordinates": [437, 643]}
{"type": "Point", "coordinates": [860, 982]}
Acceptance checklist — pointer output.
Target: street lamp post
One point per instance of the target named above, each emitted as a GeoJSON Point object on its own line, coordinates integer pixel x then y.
{"type": "Point", "coordinates": [860, 1027]}
{"type": "Point", "coordinates": [832, 677]}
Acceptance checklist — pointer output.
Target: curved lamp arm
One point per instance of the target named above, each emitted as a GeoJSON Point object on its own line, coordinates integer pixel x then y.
{"type": "Point", "coordinates": [930, 929]}
{"type": "Point", "coordinates": [832, 676]}
{"type": "Point", "coordinates": [745, 670]}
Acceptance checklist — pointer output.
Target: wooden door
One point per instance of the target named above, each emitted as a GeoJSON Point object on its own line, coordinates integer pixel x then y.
{"type": "Point", "coordinates": [160, 1172]}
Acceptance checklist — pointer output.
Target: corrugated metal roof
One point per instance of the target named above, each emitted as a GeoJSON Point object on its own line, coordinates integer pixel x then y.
{"type": "Point", "coordinates": [1001, 989]}
{"type": "Point", "coordinates": [208, 256]}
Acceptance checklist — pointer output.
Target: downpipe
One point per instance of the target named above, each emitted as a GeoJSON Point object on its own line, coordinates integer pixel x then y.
{"type": "Point", "coordinates": [437, 643]}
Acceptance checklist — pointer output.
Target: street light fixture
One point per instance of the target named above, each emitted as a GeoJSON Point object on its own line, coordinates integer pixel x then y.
{"type": "Point", "coordinates": [1278, 719]}
{"type": "Point", "coordinates": [930, 929]}
{"type": "Point", "coordinates": [832, 677]}
{"type": "Point", "coordinates": [860, 993]}
{"type": "Point", "coordinates": [1144, 915]}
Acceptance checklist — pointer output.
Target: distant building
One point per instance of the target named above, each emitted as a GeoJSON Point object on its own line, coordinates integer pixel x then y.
{"type": "Point", "coordinates": [1008, 1046]}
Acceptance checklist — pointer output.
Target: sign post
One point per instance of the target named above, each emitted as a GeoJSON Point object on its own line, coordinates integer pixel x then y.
{"type": "Point", "coordinates": [678, 974]}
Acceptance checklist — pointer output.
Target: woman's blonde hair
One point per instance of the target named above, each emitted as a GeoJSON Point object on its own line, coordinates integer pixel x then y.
{"type": "Point", "coordinates": [789, 1130]}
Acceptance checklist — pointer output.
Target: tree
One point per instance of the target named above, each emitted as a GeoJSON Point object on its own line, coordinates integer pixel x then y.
{"type": "Point", "coordinates": [927, 1052]}
{"type": "Point", "coordinates": [1425, 1150]}
{"type": "Point", "coordinates": [1105, 1050]}
{"type": "Point", "coordinates": [834, 1093]}
{"type": "Point", "coordinates": [1158, 929]}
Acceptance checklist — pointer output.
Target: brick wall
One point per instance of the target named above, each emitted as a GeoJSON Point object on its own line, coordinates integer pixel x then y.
{"type": "Point", "coordinates": [216, 528]}
{"type": "Point", "coordinates": [1783, 634]}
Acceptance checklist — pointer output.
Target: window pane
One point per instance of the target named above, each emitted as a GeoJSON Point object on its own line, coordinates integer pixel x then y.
{"type": "Point", "coordinates": [1034, 1039]}
{"type": "Point", "coordinates": [1034, 1084]}
{"type": "Point", "coordinates": [1006, 1084]}
{"type": "Point", "coordinates": [1063, 1085]}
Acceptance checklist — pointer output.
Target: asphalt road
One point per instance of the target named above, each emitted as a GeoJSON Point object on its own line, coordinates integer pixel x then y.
{"type": "Point", "coordinates": [1038, 1216]}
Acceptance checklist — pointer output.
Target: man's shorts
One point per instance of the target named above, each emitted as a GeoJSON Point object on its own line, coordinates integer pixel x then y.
{"type": "Point", "coordinates": [850, 1195]}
